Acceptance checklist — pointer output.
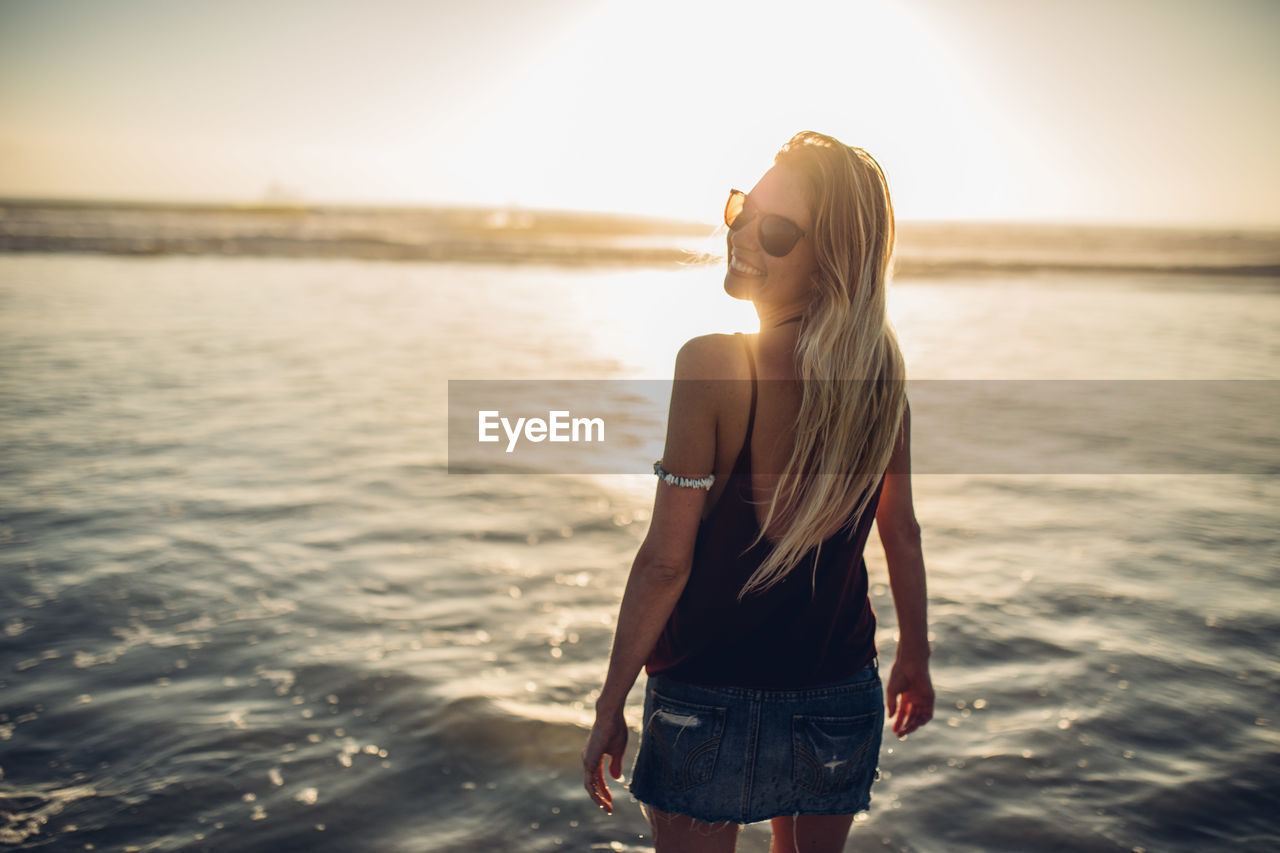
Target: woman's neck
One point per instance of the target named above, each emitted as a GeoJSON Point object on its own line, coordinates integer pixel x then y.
{"type": "Point", "coordinates": [772, 318]}
{"type": "Point", "coordinates": [778, 339]}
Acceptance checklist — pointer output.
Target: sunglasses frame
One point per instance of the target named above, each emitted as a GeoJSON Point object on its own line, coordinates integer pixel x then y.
{"type": "Point", "coordinates": [768, 238]}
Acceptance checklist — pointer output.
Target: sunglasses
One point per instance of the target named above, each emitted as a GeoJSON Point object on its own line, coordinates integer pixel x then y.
{"type": "Point", "coordinates": [778, 235]}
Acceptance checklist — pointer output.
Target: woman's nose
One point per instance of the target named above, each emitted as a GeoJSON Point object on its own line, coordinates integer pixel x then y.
{"type": "Point", "coordinates": [746, 234]}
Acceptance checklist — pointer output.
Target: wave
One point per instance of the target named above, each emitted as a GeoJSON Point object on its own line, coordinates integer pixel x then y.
{"type": "Point", "coordinates": [926, 250]}
{"type": "Point", "coordinates": [367, 249]}
{"type": "Point", "coordinates": [926, 268]}
{"type": "Point", "coordinates": [550, 253]}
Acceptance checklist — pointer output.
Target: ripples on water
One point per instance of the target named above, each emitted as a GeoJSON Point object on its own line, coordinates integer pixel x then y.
{"type": "Point", "coordinates": [245, 606]}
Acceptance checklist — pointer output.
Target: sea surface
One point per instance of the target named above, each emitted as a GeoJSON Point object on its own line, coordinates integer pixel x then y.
{"type": "Point", "coordinates": [245, 605]}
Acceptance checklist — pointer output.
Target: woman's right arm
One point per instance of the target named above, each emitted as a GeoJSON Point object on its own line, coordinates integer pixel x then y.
{"type": "Point", "coordinates": [909, 693]}
{"type": "Point", "coordinates": [662, 565]}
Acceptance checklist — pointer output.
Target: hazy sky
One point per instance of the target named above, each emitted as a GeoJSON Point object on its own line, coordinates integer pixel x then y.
{"type": "Point", "coordinates": [1161, 111]}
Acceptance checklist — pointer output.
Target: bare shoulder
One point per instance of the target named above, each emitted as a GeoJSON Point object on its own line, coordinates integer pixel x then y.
{"type": "Point", "coordinates": [712, 357]}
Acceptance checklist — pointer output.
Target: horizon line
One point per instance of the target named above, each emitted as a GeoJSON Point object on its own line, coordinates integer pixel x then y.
{"type": "Point", "coordinates": [301, 204]}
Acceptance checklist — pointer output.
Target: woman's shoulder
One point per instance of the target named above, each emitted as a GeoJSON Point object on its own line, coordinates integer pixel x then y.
{"type": "Point", "coordinates": [710, 357]}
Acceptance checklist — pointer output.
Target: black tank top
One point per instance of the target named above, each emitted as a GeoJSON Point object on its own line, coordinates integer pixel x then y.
{"type": "Point", "coordinates": [814, 627]}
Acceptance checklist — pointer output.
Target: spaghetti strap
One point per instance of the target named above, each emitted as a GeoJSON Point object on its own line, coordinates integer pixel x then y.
{"type": "Point", "coordinates": [751, 418]}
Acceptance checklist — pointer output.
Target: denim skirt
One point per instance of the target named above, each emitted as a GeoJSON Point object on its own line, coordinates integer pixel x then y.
{"type": "Point", "coordinates": [744, 755]}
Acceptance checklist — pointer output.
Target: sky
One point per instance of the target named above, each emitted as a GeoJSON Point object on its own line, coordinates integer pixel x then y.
{"type": "Point", "coordinates": [1162, 112]}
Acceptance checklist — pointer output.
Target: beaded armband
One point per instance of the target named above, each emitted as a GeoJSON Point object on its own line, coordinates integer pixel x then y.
{"type": "Point", "coordinates": [684, 482]}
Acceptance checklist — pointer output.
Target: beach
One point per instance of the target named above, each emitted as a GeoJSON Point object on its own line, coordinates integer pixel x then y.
{"type": "Point", "coordinates": [248, 606]}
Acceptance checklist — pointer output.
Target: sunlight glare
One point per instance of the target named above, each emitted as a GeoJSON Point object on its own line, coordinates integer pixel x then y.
{"type": "Point", "coordinates": [871, 74]}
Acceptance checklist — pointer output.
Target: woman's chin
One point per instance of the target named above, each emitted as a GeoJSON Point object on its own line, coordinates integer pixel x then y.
{"type": "Point", "coordinates": [737, 286]}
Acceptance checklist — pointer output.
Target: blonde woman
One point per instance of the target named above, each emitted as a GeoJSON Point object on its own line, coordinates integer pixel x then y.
{"type": "Point", "coordinates": [747, 603]}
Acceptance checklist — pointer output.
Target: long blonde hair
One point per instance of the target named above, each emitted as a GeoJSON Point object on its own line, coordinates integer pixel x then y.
{"type": "Point", "coordinates": [851, 369]}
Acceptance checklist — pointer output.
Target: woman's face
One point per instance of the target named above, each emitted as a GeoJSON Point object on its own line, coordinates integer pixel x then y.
{"type": "Point", "coordinates": [773, 283]}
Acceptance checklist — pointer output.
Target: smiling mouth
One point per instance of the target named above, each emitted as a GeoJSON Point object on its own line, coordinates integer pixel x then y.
{"type": "Point", "coordinates": [742, 268]}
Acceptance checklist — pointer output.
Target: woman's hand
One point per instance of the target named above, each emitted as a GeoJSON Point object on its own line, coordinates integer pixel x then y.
{"type": "Point", "coordinates": [909, 694]}
{"type": "Point", "coordinates": [608, 737]}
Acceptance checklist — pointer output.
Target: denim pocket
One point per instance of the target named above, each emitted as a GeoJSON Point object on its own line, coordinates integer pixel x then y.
{"type": "Point", "coordinates": [832, 754]}
{"type": "Point", "coordinates": [686, 740]}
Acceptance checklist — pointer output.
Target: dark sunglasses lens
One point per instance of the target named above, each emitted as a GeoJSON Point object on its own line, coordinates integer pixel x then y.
{"type": "Point", "coordinates": [778, 236]}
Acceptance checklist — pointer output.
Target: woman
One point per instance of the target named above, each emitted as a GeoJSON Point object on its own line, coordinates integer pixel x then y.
{"type": "Point", "coordinates": [747, 602]}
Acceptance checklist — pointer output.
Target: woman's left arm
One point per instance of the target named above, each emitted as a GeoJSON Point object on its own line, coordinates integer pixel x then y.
{"type": "Point", "coordinates": [909, 693]}
{"type": "Point", "coordinates": [662, 565]}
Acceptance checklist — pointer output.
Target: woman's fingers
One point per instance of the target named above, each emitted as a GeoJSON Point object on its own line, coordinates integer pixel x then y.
{"type": "Point", "coordinates": [908, 719]}
{"type": "Point", "coordinates": [910, 724]}
{"type": "Point", "coordinates": [593, 781]}
{"type": "Point", "coordinates": [900, 719]}
{"type": "Point", "coordinates": [599, 793]}
{"type": "Point", "coordinates": [609, 739]}
{"type": "Point", "coordinates": [911, 716]}
{"type": "Point", "coordinates": [603, 795]}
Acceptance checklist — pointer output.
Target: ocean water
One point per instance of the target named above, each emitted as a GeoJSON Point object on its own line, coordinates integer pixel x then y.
{"type": "Point", "coordinates": [246, 606]}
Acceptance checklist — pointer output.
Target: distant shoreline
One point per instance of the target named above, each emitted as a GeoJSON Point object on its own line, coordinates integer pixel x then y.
{"type": "Point", "coordinates": [618, 219]}
{"type": "Point", "coordinates": [498, 235]}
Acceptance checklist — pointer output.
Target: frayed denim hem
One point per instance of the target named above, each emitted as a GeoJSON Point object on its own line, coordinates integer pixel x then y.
{"type": "Point", "coordinates": [714, 823]}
